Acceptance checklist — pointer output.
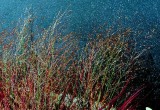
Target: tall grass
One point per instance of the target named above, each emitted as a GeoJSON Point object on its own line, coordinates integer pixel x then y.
{"type": "Point", "coordinates": [52, 73]}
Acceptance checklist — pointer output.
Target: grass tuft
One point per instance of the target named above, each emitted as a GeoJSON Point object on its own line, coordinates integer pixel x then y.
{"type": "Point", "coordinates": [52, 73]}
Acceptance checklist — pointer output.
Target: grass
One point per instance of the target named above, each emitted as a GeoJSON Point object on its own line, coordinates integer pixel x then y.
{"type": "Point", "coordinates": [40, 75]}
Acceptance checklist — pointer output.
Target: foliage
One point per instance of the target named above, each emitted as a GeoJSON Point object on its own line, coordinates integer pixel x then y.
{"type": "Point", "coordinates": [52, 73]}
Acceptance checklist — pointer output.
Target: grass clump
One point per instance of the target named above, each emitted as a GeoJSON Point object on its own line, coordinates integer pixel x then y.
{"type": "Point", "coordinates": [51, 73]}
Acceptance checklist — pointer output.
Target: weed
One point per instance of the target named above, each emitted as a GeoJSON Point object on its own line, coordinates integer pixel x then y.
{"type": "Point", "coordinates": [39, 74]}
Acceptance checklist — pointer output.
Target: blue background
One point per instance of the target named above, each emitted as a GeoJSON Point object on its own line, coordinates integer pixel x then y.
{"type": "Point", "coordinates": [86, 14]}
